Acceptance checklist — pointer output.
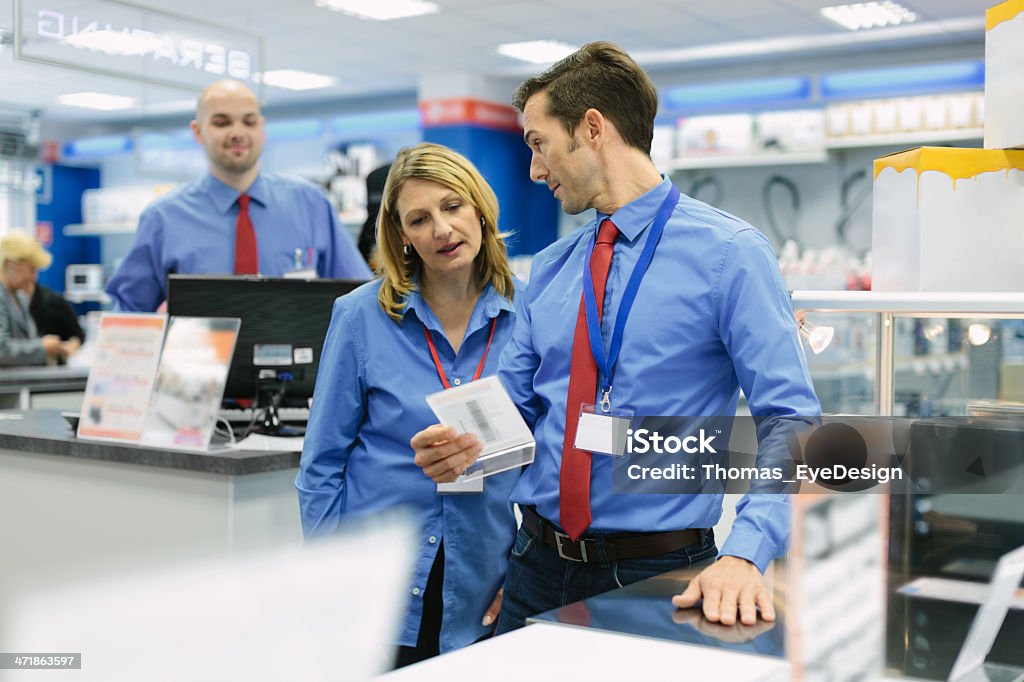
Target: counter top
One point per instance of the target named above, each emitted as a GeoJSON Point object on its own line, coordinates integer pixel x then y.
{"type": "Point", "coordinates": [49, 377]}
{"type": "Point", "coordinates": [549, 652]}
{"type": "Point", "coordinates": [46, 432]}
{"type": "Point", "coordinates": [645, 609]}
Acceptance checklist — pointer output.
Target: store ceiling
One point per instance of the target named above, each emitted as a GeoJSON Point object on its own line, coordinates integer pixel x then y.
{"type": "Point", "coordinates": [372, 58]}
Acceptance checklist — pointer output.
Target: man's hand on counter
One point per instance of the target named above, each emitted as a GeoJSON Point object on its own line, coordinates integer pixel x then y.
{"type": "Point", "coordinates": [729, 585]}
{"type": "Point", "coordinates": [730, 634]}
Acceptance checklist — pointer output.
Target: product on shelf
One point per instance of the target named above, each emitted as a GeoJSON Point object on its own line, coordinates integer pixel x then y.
{"type": "Point", "coordinates": [1004, 87]}
{"type": "Point", "coordinates": [947, 219]}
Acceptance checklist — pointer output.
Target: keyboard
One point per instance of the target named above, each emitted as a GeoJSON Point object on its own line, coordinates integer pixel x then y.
{"type": "Point", "coordinates": [287, 414]}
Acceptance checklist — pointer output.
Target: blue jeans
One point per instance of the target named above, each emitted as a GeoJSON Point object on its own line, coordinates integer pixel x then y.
{"type": "Point", "coordinates": [539, 580]}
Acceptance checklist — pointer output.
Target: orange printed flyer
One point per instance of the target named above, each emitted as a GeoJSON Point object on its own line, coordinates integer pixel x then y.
{"type": "Point", "coordinates": [121, 377]}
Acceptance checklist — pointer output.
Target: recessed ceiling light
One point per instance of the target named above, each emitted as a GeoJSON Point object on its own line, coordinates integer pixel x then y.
{"type": "Point", "coordinates": [293, 79]}
{"type": "Point", "coordinates": [109, 41]}
{"type": "Point", "coordinates": [869, 15]}
{"type": "Point", "coordinates": [381, 10]}
{"type": "Point", "coordinates": [96, 100]}
{"type": "Point", "coordinates": [537, 51]}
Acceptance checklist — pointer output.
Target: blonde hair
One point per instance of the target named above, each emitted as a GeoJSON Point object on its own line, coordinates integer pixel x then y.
{"type": "Point", "coordinates": [19, 245]}
{"type": "Point", "coordinates": [436, 163]}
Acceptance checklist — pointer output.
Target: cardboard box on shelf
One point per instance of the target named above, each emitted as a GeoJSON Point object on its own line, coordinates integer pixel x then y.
{"type": "Point", "coordinates": [1004, 87]}
{"type": "Point", "coordinates": [948, 219]}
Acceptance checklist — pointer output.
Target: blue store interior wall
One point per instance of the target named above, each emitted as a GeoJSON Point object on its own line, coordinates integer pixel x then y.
{"type": "Point", "coordinates": [63, 207]}
{"type": "Point", "coordinates": [528, 210]}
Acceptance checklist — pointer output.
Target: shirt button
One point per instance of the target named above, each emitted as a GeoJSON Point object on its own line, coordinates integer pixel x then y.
{"type": "Point", "coordinates": [457, 381]}
{"type": "Point", "coordinates": [415, 591]}
{"type": "Point", "coordinates": [432, 539]}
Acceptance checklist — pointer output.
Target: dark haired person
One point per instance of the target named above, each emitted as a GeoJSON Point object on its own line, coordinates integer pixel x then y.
{"type": "Point", "coordinates": [711, 316]}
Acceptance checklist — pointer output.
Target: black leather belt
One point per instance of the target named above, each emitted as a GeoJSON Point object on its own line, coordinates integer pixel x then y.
{"type": "Point", "coordinates": [616, 546]}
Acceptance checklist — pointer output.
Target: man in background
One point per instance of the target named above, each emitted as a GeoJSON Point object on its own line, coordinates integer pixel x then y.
{"type": "Point", "coordinates": [236, 219]}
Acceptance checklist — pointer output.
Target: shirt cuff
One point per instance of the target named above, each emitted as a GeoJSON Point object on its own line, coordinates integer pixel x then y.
{"type": "Point", "coordinates": [752, 545]}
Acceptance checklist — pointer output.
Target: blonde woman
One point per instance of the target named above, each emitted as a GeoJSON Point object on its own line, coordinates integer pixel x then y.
{"type": "Point", "coordinates": [20, 344]}
{"type": "Point", "coordinates": [438, 316]}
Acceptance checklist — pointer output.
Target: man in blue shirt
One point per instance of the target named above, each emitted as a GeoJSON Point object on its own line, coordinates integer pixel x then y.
{"type": "Point", "coordinates": [711, 316]}
{"type": "Point", "coordinates": [276, 223]}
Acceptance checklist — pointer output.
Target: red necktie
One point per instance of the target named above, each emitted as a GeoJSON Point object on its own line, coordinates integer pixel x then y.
{"type": "Point", "coordinates": [246, 259]}
{"type": "Point", "coordinates": [574, 479]}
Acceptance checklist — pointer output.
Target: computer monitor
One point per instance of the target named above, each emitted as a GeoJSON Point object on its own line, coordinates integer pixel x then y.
{"type": "Point", "coordinates": [284, 322]}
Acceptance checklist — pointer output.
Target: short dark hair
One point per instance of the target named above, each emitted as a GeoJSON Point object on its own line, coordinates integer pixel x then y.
{"type": "Point", "coordinates": [598, 76]}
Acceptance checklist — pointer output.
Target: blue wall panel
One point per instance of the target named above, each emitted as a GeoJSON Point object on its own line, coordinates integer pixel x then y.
{"type": "Point", "coordinates": [528, 210]}
{"type": "Point", "coordinates": [65, 208]}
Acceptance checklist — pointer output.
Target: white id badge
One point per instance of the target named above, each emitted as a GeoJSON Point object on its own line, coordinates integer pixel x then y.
{"type": "Point", "coordinates": [603, 433]}
{"type": "Point", "coordinates": [461, 486]}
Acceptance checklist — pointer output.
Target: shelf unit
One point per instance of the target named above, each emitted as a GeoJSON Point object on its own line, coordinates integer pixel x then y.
{"type": "Point", "coordinates": [748, 160]}
{"type": "Point", "coordinates": [921, 137]}
{"type": "Point", "coordinates": [887, 306]}
{"type": "Point", "coordinates": [90, 297]}
{"type": "Point", "coordinates": [98, 229]}
{"type": "Point", "coordinates": [904, 140]}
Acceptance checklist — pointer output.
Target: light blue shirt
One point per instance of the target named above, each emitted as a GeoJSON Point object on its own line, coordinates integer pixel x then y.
{"type": "Point", "coordinates": [191, 231]}
{"type": "Point", "coordinates": [368, 403]}
{"type": "Point", "coordinates": [711, 316]}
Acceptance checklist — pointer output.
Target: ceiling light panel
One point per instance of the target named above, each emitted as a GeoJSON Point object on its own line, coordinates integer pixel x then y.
{"type": "Point", "coordinates": [96, 100]}
{"type": "Point", "coordinates": [537, 51]}
{"type": "Point", "coordinates": [381, 10]}
{"type": "Point", "coordinates": [864, 15]}
{"type": "Point", "coordinates": [293, 79]}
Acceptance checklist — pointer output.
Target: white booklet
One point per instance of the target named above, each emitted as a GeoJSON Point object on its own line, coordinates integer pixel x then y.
{"type": "Point", "coordinates": [484, 408]}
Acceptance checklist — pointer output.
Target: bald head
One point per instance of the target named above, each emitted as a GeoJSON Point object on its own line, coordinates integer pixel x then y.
{"type": "Point", "coordinates": [225, 89]}
{"type": "Point", "coordinates": [229, 126]}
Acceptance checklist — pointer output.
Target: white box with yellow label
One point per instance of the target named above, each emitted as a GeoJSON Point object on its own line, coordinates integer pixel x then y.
{"type": "Point", "coordinates": [948, 219]}
{"type": "Point", "coordinates": [1004, 85]}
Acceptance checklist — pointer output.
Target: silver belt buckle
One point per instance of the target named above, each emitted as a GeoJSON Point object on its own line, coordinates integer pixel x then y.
{"type": "Point", "coordinates": [562, 538]}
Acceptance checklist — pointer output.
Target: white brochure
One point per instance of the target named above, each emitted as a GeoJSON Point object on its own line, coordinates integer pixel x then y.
{"type": "Point", "coordinates": [484, 408]}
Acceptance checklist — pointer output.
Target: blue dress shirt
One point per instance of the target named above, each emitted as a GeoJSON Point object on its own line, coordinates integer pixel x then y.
{"type": "Point", "coordinates": [191, 231]}
{"type": "Point", "coordinates": [711, 316]}
{"type": "Point", "coordinates": [368, 403]}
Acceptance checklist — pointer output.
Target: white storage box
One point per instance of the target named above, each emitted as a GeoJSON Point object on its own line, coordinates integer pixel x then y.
{"type": "Point", "coordinates": [1004, 85]}
{"type": "Point", "coordinates": [948, 219]}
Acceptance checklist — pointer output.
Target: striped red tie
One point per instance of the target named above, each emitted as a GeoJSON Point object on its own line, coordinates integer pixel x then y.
{"type": "Point", "coordinates": [574, 480]}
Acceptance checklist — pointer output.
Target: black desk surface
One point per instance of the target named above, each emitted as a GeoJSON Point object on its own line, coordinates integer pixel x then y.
{"type": "Point", "coordinates": [46, 432]}
{"type": "Point", "coordinates": [645, 609]}
{"type": "Point", "coordinates": [923, 636]}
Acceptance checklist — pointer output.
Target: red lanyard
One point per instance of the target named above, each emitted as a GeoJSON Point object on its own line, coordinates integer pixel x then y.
{"type": "Point", "coordinates": [437, 360]}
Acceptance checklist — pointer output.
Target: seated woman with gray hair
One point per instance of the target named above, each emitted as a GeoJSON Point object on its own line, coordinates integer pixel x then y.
{"type": "Point", "coordinates": [21, 257]}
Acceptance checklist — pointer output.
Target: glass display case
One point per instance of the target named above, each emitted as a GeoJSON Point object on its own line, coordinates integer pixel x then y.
{"type": "Point", "coordinates": [952, 364]}
{"type": "Point", "coordinates": [917, 354]}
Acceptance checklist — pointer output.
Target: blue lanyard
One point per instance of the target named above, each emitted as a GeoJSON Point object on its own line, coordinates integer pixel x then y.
{"type": "Point", "coordinates": [606, 365]}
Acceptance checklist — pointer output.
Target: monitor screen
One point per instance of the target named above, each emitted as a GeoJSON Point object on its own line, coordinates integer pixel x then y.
{"type": "Point", "coordinates": [284, 322]}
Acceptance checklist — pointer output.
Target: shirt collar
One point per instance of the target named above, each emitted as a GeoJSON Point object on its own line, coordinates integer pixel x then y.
{"type": "Point", "coordinates": [224, 197]}
{"type": "Point", "coordinates": [632, 218]}
{"type": "Point", "coordinates": [490, 302]}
